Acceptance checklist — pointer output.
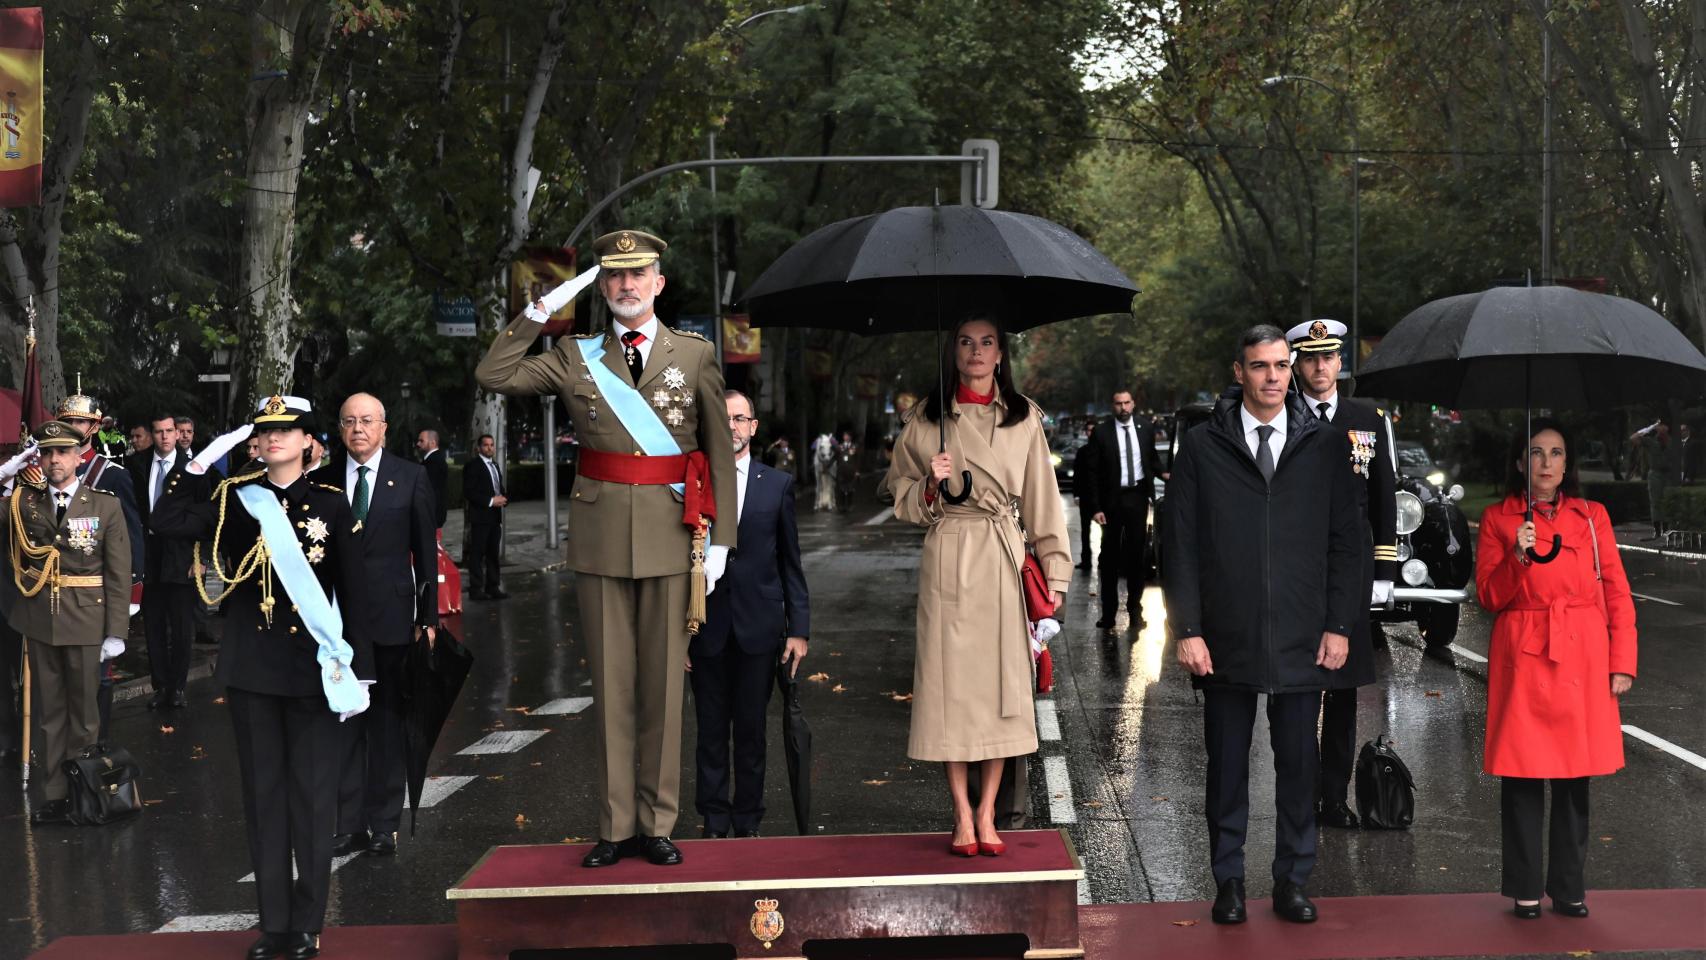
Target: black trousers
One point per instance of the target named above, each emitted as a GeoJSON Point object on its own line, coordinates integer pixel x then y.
{"type": "Point", "coordinates": [288, 749]}
{"type": "Point", "coordinates": [371, 789]}
{"type": "Point", "coordinates": [1338, 743]}
{"type": "Point", "coordinates": [1125, 539]}
{"type": "Point", "coordinates": [1229, 719]}
{"type": "Point", "coordinates": [1085, 558]}
{"type": "Point", "coordinates": [168, 621]}
{"type": "Point", "coordinates": [731, 696]}
{"type": "Point", "coordinates": [11, 687]}
{"type": "Point", "coordinates": [484, 538]}
{"type": "Point", "coordinates": [1521, 810]}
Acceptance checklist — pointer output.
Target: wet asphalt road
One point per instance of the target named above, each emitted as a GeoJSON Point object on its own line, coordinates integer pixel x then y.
{"type": "Point", "coordinates": [1123, 772]}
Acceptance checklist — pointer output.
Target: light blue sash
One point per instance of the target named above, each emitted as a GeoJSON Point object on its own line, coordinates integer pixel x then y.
{"type": "Point", "coordinates": [319, 615]}
{"type": "Point", "coordinates": [630, 406]}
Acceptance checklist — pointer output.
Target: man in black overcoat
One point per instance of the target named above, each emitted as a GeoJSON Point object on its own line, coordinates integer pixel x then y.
{"type": "Point", "coordinates": [1318, 347]}
{"type": "Point", "coordinates": [1121, 483]}
{"type": "Point", "coordinates": [1264, 584]}
{"type": "Point", "coordinates": [168, 591]}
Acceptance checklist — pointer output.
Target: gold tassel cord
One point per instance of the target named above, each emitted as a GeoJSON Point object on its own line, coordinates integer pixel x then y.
{"type": "Point", "coordinates": [257, 559]}
{"type": "Point", "coordinates": [696, 584]}
{"type": "Point", "coordinates": [47, 556]}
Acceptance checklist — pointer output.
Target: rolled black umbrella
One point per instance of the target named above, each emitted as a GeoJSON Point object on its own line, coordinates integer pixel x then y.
{"type": "Point", "coordinates": [432, 679]}
{"type": "Point", "coordinates": [796, 746]}
{"type": "Point", "coordinates": [891, 272]}
{"type": "Point", "coordinates": [1554, 347]}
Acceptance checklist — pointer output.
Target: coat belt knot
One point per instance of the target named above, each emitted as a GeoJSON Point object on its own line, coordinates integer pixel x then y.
{"type": "Point", "coordinates": [1558, 641]}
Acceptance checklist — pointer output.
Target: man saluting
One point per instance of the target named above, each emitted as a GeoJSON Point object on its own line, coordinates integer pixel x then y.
{"type": "Point", "coordinates": [647, 404]}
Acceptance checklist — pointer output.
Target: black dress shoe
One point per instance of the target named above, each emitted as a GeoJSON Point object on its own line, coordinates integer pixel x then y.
{"type": "Point", "coordinates": [1526, 911]}
{"type": "Point", "coordinates": [1229, 902]}
{"type": "Point", "coordinates": [160, 699]}
{"type": "Point", "coordinates": [746, 831]}
{"type": "Point", "coordinates": [383, 844]}
{"type": "Point", "coordinates": [706, 833]}
{"type": "Point", "coordinates": [1441, 654]}
{"type": "Point", "coordinates": [54, 811]}
{"type": "Point", "coordinates": [660, 851]}
{"type": "Point", "coordinates": [269, 945]}
{"type": "Point", "coordinates": [1291, 903]}
{"type": "Point", "coordinates": [302, 946]}
{"type": "Point", "coordinates": [1104, 624]}
{"type": "Point", "coordinates": [1579, 909]}
{"type": "Point", "coordinates": [605, 853]}
{"type": "Point", "coordinates": [180, 699]}
{"type": "Point", "coordinates": [344, 844]}
{"type": "Point", "coordinates": [1337, 814]}
{"type": "Point", "coordinates": [496, 595]}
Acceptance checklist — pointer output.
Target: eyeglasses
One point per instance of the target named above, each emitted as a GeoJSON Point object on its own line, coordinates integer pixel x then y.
{"type": "Point", "coordinates": [742, 420]}
{"type": "Point", "coordinates": [347, 422]}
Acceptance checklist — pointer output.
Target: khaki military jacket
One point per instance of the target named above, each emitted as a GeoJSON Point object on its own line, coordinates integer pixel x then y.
{"type": "Point", "coordinates": [93, 541]}
{"type": "Point", "coordinates": [618, 529]}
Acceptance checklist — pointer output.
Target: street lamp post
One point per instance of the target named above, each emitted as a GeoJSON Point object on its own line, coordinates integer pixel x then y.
{"type": "Point", "coordinates": [1274, 83]}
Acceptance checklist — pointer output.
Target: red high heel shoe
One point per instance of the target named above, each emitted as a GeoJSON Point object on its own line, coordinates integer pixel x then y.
{"type": "Point", "coordinates": [992, 849]}
{"type": "Point", "coordinates": [963, 849]}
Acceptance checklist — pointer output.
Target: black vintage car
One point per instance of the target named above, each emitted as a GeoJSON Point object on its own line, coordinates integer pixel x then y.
{"type": "Point", "coordinates": [1436, 556]}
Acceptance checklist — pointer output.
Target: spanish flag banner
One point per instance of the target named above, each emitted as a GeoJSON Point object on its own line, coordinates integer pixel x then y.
{"type": "Point", "coordinates": [741, 340]}
{"type": "Point", "coordinates": [20, 108]}
{"type": "Point", "coordinates": [536, 273]}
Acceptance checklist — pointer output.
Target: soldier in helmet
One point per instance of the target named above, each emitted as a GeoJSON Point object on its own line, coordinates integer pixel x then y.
{"type": "Point", "coordinates": [70, 560]}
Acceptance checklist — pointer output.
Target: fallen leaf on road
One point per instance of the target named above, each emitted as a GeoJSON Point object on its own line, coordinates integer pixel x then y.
{"type": "Point", "coordinates": [900, 697]}
{"type": "Point", "coordinates": [572, 840]}
{"type": "Point", "coordinates": [1184, 923]}
{"type": "Point", "coordinates": [1434, 693]}
{"type": "Point", "coordinates": [1159, 799]}
{"type": "Point", "coordinates": [838, 688]}
{"type": "Point", "coordinates": [874, 783]}
{"type": "Point", "coordinates": [537, 763]}
{"type": "Point", "coordinates": [1581, 953]}
{"type": "Point", "coordinates": [835, 654]}
{"type": "Point", "coordinates": [1092, 804]}
{"type": "Point", "coordinates": [521, 820]}
{"type": "Point", "coordinates": [219, 700]}
{"type": "Point", "coordinates": [818, 677]}
{"type": "Point", "coordinates": [495, 777]}
{"type": "Point", "coordinates": [1605, 839]}
{"type": "Point", "coordinates": [150, 803]}
{"type": "Point", "coordinates": [168, 729]}
{"type": "Point", "coordinates": [518, 709]}
{"type": "Point", "coordinates": [197, 753]}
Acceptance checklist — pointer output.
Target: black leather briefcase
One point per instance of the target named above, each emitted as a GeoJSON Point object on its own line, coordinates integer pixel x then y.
{"type": "Point", "coordinates": [103, 786]}
{"type": "Point", "coordinates": [1386, 794]}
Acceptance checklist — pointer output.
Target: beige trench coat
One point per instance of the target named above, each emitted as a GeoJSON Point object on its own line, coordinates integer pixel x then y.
{"type": "Point", "coordinates": [972, 682]}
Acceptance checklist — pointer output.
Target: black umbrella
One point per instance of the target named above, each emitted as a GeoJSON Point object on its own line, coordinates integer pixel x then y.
{"type": "Point", "coordinates": [1534, 346]}
{"type": "Point", "coordinates": [797, 745]}
{"type": "Point", "coordinates": [432, 678]}
{"type": "Point", "coordinates": [891, 272]}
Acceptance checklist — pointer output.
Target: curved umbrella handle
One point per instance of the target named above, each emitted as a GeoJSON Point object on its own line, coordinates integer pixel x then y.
{"type": "Point", "coordinates": [963, 495]}
{"type": "Point", "coordinates": [1550, 555]}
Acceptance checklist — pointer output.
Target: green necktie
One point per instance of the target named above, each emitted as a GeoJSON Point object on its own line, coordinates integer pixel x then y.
{"type": "Point", "coordinates": [361, 494]}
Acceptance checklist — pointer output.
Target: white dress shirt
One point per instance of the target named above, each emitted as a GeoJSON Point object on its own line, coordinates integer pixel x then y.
{"type": "Point", "coordinates": [1332, 403]}
{"type": "Point", "coordinates": [649, 328]}
{"type": "Point", "coordinates": [492, 468]}
{"type": "Point", "coordinates": [1276, 440]}
{"type": "Point", "coordinates": [743, 466]}
{"type": "Point", "coordinates": [160, 466]}
{"type": "Point", "coordinates": [1126, 435]}
{"type": "Point", "coordinates": [69, 492]}
{"type": "Point", "coordinates": [350, 476]}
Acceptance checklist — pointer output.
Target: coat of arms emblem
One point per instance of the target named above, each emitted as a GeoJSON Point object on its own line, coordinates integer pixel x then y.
{"type": "Point", "coordinates": [1317, 331]}
{"type": "Point", "coordinates": [766, 922]}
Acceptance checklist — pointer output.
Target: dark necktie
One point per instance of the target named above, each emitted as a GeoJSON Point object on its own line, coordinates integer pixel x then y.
{"type": "Point", "coordinates": [1130, 457]}
{"type": "Point", "coordinates": [60, 501]}
{"type": "Point", "coordinates": [497, 478]}
{"type": "Point", "coordinates": [362, 494]}
{"type": "Point", "coordinates": [1264, 453]}
{"type": "Point", "coordinates": [1322, 408]}
{"type": "Point", "coordinates": [631, 350]}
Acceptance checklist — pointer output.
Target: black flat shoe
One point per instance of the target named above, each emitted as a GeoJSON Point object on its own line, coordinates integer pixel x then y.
{"type": "Point", "coordinates": [1526, 911]}
{"type": "Point", "coordinates": [1337, 815]}
{"type": "Point", "coordinates": [384, 844]}
{"type": "Point", "coordinates": [706, 833]}
{"type": "Point", "coordinates": [180, 699]}
{"type": "Point", "coordinates": [159, 700]}
{"type": "Point", "coordinates": [1578, 910]}
{"type": "Point", "coordinates": [660, 851]}
{"type": "Point", "coordinates": [1291, 903]}
{"type": "Point", "coordinates": [345, 844]}
{"type": "Point", "coordinates": [1229, 902]}
{"type": "Point", "coordinates": [604, 853]}
{"type": "Point", "coordinates": [1104, 624]}
{"type": "Point", "coordinates": [302, 946]}
{"type": "Point", "coordinates": [268, 946]}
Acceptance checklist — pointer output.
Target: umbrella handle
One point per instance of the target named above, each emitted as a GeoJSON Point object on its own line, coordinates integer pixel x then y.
{"type": "Point", "coordinates": [1549, 556]}
{"type": "Point", "coordinates": [943, 489]}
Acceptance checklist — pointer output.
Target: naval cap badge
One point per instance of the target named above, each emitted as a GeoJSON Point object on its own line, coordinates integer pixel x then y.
{"type": "Point", "coordinates": [1317, 331]}
{"type": "Point", "coordinates": [275, 406]}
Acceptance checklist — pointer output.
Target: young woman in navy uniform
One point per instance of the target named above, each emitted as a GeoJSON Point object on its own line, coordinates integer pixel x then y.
{"type": "Point", "coordinates": [288, 739]}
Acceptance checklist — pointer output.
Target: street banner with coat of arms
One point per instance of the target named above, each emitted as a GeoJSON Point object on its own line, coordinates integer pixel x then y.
{"type": "Point", "coordinates": [20, 108]}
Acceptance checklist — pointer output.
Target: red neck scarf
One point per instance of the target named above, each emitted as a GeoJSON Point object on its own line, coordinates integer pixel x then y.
{"type": "Point", "coordinates": [965, 395]}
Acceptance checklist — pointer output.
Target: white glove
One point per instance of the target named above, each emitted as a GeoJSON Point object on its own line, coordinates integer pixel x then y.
{"type": "Point", "coordinates": [111, 649]}
{"type": "Point", "coordinates": [1045, 629]}
{"type": "Point", "coordinates": [1381, 594]}
{"type": "Point", "coordinates": [10, 468]}
{"type": "Point", "coordinates": [220, 446]}
{"type": "Point", "coordinates": [716, 561]}
{"type": "Point", "coordinates": [540, 310]}
{"type": "Point", "coordinates": [366, 700]}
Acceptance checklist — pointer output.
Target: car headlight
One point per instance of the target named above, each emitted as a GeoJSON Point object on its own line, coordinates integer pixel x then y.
{"type": "Point", "coordinates": [1409, 513]}
{"type": "Point", "coordinates": [1403, 549]}
{"type": "Point", "coordinates": [1414, 572]}
{"type": "Point", "coordinates": [1436, 479]}
{"type": "Point", "coordinates": [1054, 458]}
{"type": "Point", "coordinates": [1455, 493]}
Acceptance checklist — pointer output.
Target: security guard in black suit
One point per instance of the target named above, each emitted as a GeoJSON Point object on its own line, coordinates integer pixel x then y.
{"type": "Point", "coordinates": [289, 744]}
{"type": "Point", "coordinates": [1121, 483]}
{"type": "Point", "coordinates": [1318, 347]}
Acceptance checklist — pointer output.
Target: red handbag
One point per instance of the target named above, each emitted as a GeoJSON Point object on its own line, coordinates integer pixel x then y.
{"type": "Point", "coordinates": [1039, 599]}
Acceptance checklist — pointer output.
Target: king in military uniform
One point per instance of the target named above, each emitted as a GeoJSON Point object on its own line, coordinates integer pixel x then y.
{"type": "Point", "coordinates": [70, 557]}
{"type": "Point", "coordinates": [1318, 344]}
{"type": "Point", "coordinates": [648, 409]}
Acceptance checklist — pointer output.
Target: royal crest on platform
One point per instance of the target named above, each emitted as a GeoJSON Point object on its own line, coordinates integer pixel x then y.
{"type": "Point", "coordinates": [1362, 450]}
{"type": "Point", "coordinates": [766, 923]}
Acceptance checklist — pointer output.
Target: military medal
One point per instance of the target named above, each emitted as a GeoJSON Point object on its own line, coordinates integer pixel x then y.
{"type": "Point", "coordinates": [1362, 450]}
{"type": "Point", "coordinates": [674, 378]}
{"type": "Point", "coordinates": [660, 398]}
{"type": "Point", "coordinates": [316, 553]}
{"type": "Point", "coordinates": [80, 533]}
{"type": "Point", "coordinates": [674, 418]}
{"type": "Point", "coordinates": [317, 530]}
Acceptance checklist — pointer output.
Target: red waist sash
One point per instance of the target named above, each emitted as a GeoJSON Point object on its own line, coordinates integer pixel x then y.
{"type": "Point", "coordinates": [617, 468]}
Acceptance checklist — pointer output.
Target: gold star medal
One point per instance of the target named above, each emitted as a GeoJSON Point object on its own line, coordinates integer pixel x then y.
{"type": "Point", "coordinates": [316, 553]}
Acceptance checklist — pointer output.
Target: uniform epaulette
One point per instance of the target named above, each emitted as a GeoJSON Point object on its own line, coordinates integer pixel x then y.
{"type": "Point", "coordinates": [327, 486]}
{"type": "Point", "coordinates": [241, 478]}
{"type": "Point", "coordinates": [689, 333]}
{"type": "Point", "coordinates": [99, 490]}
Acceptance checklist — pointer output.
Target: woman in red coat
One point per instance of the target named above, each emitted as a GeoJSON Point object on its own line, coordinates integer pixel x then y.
{"type": "Point", "coordinates": [1563, 651]}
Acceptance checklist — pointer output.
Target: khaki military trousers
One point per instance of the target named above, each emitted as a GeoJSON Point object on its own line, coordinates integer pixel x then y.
{"type": "Point", "coordinates": [63, 715]}
{"type": "Point", "coordinates": [636, 640]}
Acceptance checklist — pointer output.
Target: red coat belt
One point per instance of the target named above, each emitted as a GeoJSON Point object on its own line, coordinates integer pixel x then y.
{"type": "Point", "coordinates": [617, 468]}
{"type": "Point", "coordinates": [1559, 641]}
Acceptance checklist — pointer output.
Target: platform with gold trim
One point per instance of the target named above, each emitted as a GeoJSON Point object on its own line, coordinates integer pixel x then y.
{"type": "Point", "coordinates": [767, 897]}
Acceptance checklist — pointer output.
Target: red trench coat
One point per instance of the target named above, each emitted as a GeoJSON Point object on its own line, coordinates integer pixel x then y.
{"type": "Point", "coordinates": [1557, 638]}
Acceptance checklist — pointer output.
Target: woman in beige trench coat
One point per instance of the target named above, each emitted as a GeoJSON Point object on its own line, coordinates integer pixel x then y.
{"type": "Point", "coordinates": [972, 683]}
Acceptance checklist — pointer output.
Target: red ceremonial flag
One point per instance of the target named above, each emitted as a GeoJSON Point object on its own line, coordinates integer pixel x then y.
{"type": "Point", "coordinates": [20, 107]}
{"type": "Point", "coordinates": [33, 411]}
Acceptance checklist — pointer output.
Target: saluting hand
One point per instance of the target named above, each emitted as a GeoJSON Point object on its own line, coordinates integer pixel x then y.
{"type": "Point", "coordinates": [1335, 648]}
{"type": "Point", "coordinates": [942, 466]}
{"type": "Point", "coordinates": [1193, 653]}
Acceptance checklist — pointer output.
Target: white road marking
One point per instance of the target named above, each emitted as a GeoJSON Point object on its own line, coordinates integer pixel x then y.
{"type": "Point", "coordinates": [436, 789]}
{"type": "Point", "coordinates": [211, 922]}
{"type": "Point", "coordinates": [337, 862]}
{"type": "Point", "coordinates": [500, 741]}
{"type": "Point", "coordinates": [1687, 756]}
{"type": "Point", "coordinates": [880, 518]}
{"type": "Point", "coordinates": [587, 682]}
{"type": "Point", "coordinates": [1061, 809]}
{"type": "Point", "coordinates": [561, 705]}
{"type": "Point", "coordinates": [1083, 891]}
{"type": "Point", "coordinates": [1643, 596]}
{"type": "Point", "coordinates": [1048, 721]}
{"type": "Point", "coordinates": [1467, 653]}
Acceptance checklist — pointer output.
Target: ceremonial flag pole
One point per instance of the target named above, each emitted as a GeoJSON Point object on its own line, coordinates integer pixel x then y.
{"type": "Point", "coordinates": [30, 406]}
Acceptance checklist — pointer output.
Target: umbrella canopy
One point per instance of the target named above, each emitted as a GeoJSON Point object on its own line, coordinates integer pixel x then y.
{"type": "Point", "coordinates": [432, 679]}
{"type": "Point", "coordinates": [797, 745]}
{"type": "Point", "coordinates": [892, 272]}
{"type": "Point", "coordinates": [1534, 346]}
